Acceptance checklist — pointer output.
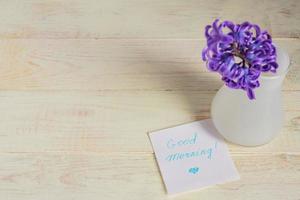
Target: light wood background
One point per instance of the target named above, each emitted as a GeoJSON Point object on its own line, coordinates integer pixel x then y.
{"type": "Point", "coordinates": [83, 81]}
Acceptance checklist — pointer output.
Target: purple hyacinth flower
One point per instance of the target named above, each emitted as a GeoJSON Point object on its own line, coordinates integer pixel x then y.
{"type": "Point", "coordinates": [239, 53]}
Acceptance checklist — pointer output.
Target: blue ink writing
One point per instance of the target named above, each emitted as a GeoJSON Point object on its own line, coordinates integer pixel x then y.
{"type": "Point", "coordinates": [205, 153]}
{"type": "Point", "coordinates": [194, 170]}
{"type": "Point", "coordinates": [200, 153]}
{"type": "Point", "coordinates": [188, 141]}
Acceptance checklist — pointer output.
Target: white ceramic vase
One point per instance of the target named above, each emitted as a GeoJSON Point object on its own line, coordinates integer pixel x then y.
{"type": "Point", "coordinates": [252, 122]}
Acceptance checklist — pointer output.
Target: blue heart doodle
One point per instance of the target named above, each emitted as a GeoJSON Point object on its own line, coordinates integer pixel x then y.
{"type": "Point", "coordinates": [194, 170]}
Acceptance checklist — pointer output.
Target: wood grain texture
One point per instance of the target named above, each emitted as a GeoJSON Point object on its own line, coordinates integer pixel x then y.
{"type": "Point", "coordinates": [135, 175]}
{"type": "Point", "coordinates": [115, 65]}
{"type": "Point", "coordinates": [140, 18]}
{"type": "Point", "coordinates": [115, 121]}
{"type": "Point", "coordinates": [83, 82]}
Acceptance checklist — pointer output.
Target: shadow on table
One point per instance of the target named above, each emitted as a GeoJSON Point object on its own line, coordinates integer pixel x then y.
{"type": "Point", "coordinates": [197, 88]}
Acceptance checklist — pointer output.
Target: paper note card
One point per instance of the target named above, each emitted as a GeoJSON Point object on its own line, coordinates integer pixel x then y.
{"type": "Point", "coordinates": [192, 156]}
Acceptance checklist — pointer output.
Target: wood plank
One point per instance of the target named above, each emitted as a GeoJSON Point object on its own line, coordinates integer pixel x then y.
{"type": "Point", "coordinates": [115, 65]}
{"type": "Point", "coordinates": [114, 121]}
{"type": "Point", "coordinates": [82, 82]}
{"type": "Point", "coordinates": [132, 175]}
{"type": "Point", "coordinates": [140, 18]}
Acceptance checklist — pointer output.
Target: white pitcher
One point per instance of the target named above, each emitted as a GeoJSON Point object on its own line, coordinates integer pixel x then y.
{"type": "Point", "coordinates": [252, 122]}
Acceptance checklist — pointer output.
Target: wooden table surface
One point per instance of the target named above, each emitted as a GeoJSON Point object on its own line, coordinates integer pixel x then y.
{"type": "Point", "coordinates": [83, 81]}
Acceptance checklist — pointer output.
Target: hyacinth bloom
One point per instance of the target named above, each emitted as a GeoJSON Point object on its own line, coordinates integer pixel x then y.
{"type": "Point", "coordinates": [239, 53]}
